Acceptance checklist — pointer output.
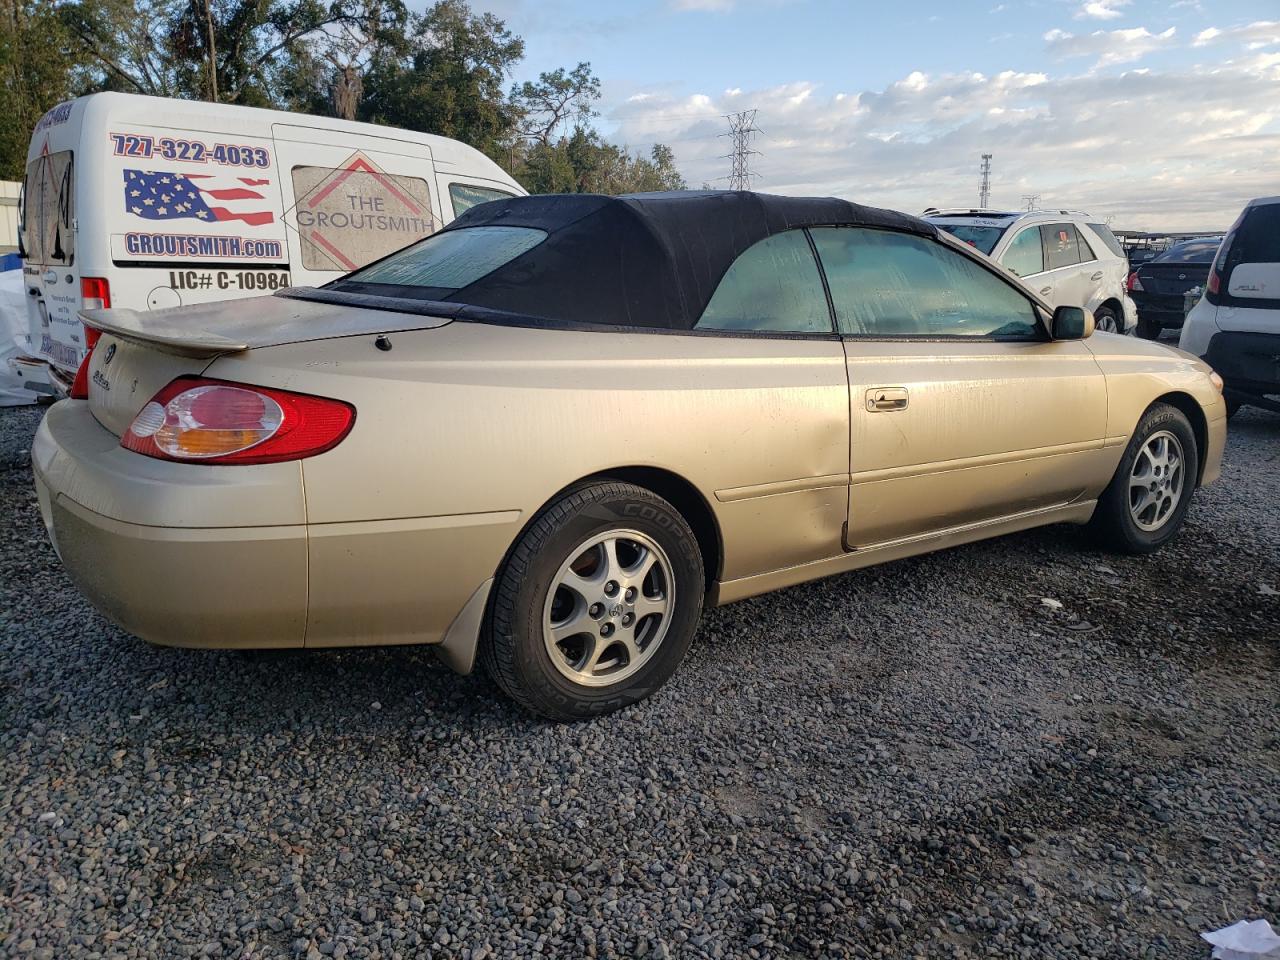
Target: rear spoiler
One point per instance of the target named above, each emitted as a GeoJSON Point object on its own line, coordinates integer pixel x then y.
{"type": "Point", "coordinates": [153, 330]}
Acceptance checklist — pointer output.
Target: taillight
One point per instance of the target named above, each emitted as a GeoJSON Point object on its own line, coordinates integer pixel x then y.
{"type": "Point", "coordinates": [214, 421]}
{"type": "Point", "coordinates": [1134, 283]}
{"type": "Point", "coordinates": [95, 293]}
{"type": "Point", "coordinates": [1215, 279]}
{"type": "Point", "coordinates": [80, 386]}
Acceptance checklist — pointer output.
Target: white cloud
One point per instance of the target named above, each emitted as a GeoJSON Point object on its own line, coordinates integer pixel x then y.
{"type": "Point", "coordinates": [1107, 47]}
{"type": "Point", "coordinates": [1101, 9]}
{"type": "Point", "coordinates": [1155, 148]}
{"type": "Point", "coordinates": [1254, 36]}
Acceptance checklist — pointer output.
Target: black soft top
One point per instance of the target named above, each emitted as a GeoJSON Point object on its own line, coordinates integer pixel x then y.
{"type": "Point", "coordinates": [643, 260]}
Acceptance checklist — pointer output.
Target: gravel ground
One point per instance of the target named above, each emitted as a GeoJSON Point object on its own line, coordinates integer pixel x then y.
{"type": "Point", "coordinates": [919, 760]}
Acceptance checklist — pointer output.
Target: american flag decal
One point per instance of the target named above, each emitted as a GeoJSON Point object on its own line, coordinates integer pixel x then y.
{"type": "Point", "coordinates": [156, 195]}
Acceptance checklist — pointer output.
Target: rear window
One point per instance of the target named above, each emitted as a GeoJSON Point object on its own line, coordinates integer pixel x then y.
{"type": "Point", "coordinates": [48, 210]}
{"type": "Point", "coordinates": [436, 267]}
{"type": "Point", "coordinates": [984, 238]}
{"type": "Point", "coordinates": [1258, 239]}
{"type": "Point", "coordinates": [1107, 237]}
{"type": "Point", "coordinates": [1195, 251]}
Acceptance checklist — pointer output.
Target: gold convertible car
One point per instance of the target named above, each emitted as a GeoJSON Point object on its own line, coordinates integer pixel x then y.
{"type": "Point", "coordinates": [547, 435]}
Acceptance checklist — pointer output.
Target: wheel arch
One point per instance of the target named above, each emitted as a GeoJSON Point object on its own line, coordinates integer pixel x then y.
{"type": "Point", "coordinates": [682, 495]}
{"type": "Point", "coordinates": [1199, 424]}
{"type": "Point", "coordinates": [1116, 308]}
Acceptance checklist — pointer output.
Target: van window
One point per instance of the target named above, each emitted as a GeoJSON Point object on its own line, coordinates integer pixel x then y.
{"type": "Point", "coordinates": [347, 218]}
{"type": "Point", "coordinates": [464, 196]}
{"type": "Point", "coordinates": [48, 210]}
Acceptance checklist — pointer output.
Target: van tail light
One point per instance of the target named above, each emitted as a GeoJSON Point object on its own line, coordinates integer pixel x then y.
{"type": "Point", "coordinates": [80, 385]}
{"type": "Point", "coordinates": [1134, 283]}
{"type": "Point", "coordinates": [197, 420]}
{"type": "Point", "coordinates": [95, 293]}
{"type": "Point", "coordinates": [1215, 279]}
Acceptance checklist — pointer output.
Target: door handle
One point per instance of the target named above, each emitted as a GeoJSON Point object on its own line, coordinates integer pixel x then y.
{"type": "Point", "coordinates": [1045, 291]}
{"type": "Point", "coordinates": [1096, 277]}
{"type": "Point", "coordinates": [885, 399]}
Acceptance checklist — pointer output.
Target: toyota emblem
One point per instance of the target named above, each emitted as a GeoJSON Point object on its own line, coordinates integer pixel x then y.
{"type": "Point", "coordinates": [111, 352]}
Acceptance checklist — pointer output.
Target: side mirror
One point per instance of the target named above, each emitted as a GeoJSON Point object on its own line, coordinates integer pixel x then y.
{"type": "Point", "coordinates": [1071, 323]}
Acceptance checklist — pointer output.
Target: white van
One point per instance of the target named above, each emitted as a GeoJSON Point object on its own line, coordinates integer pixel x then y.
{"type": "Point", "coordinates": [1235, 327]}
{"type": "Point", "coordinates": [146, 203]}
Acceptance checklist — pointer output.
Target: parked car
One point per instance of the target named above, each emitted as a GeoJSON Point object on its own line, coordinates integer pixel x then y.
{"type": "Point", "coordinates": [145, 202]}
{"type": "Point", "coordinates": [1067, 258]}
{"type": "Point", "coordinates": [1236, 325]}
{"type": "Point", "coordinates": [1160, 286]}
{"type": "Point", "coordinates": [547, 435]}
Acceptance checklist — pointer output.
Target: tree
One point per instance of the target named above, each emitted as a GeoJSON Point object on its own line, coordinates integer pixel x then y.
{"type": "Point", "coordinates": [446, 77]}
{"type": "Point", "coordinates": [583, 163]}
{"type": "Point", "coordinates": [36, 73]}
{"type": "Point", "coordinates": [224, 50]}
{"type": "Point", "coordinates": [557, 101]}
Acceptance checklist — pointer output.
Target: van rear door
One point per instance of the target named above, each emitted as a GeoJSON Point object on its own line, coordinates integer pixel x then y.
{"type": "Point", "coordinates": [50, 276]}
{"type": "Point", "coordinates": [351, 199]}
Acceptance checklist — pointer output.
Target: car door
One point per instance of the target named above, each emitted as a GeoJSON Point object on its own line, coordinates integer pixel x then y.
{"type": "Point", "coordinates": [1023, 256]}
{"type": "Point", "coordinates": [779, 467]}
{"type": "Point", "coordinates": [1063, 269]}
{"type": "Point", "coordinates": [962, 410]}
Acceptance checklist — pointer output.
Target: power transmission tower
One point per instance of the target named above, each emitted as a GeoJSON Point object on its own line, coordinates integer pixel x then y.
{"type": "Point", "coordinates": [984, 191]}
{"type": "Point", "coordinates": [1032, 200]}
{"type": "Point", "coordinates": [741, 127]}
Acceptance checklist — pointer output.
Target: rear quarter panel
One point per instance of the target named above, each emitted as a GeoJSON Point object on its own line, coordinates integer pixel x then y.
{"type": "Point", "coordinates": [464, 432]}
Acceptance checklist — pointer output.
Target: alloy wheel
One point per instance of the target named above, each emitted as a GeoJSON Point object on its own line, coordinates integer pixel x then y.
{"type": "Point", "coordinates": [608, 607]}
{"type": "Point", "coordinates": [1156, 481]}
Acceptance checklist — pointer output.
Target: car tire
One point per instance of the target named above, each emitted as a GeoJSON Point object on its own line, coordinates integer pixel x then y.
{"type": "Point", "coordinates": [1105, 319]}
{"type": "Point", "coordinates": [1149, 329]}
{"type": "Point", "coordinates": [615, 560]}
{"type": "Point", "coordinates": [1147, 499]}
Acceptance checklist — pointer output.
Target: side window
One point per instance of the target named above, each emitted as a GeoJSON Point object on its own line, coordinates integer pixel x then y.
{"type": "Point", "coordinates": [887, 284]}
{"type": "Point", "coordinates": [774, 286]}
{"type": "Point", "coordinates": [347, 218]}
{"type": "Point", "coordinates": [1086, 250]}
{"type": "Point", "coordinates": [1108, 238]}
{"type": "Point", "coordinates": [1025, 255]}
{"type": "Point", "coordinates": [1061, 248]}
{"type": "Point", "coordinates": [464, 196]}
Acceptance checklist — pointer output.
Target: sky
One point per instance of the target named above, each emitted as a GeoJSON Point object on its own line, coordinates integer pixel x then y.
{"type": "Point", "coordinates": [1156, 115]}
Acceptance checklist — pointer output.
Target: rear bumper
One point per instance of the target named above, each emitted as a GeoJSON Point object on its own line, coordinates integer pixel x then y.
{"type": "Point", "coordinates": [1165, 310]}
{"type": "Point", "coordinates": [1249, 363]}
{"type": "Point", "coordinates": [126, 529]}
{"type": "Point", "coordinates": [188, 587]}
{"type": "Point", "coordinates": [222, 557]}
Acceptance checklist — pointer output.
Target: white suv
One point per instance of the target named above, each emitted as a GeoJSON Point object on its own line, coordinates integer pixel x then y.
{"type": "Point", "coordinates": [1068, 258]}
{"type": "Point", "coordinates": [1235, 327]}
